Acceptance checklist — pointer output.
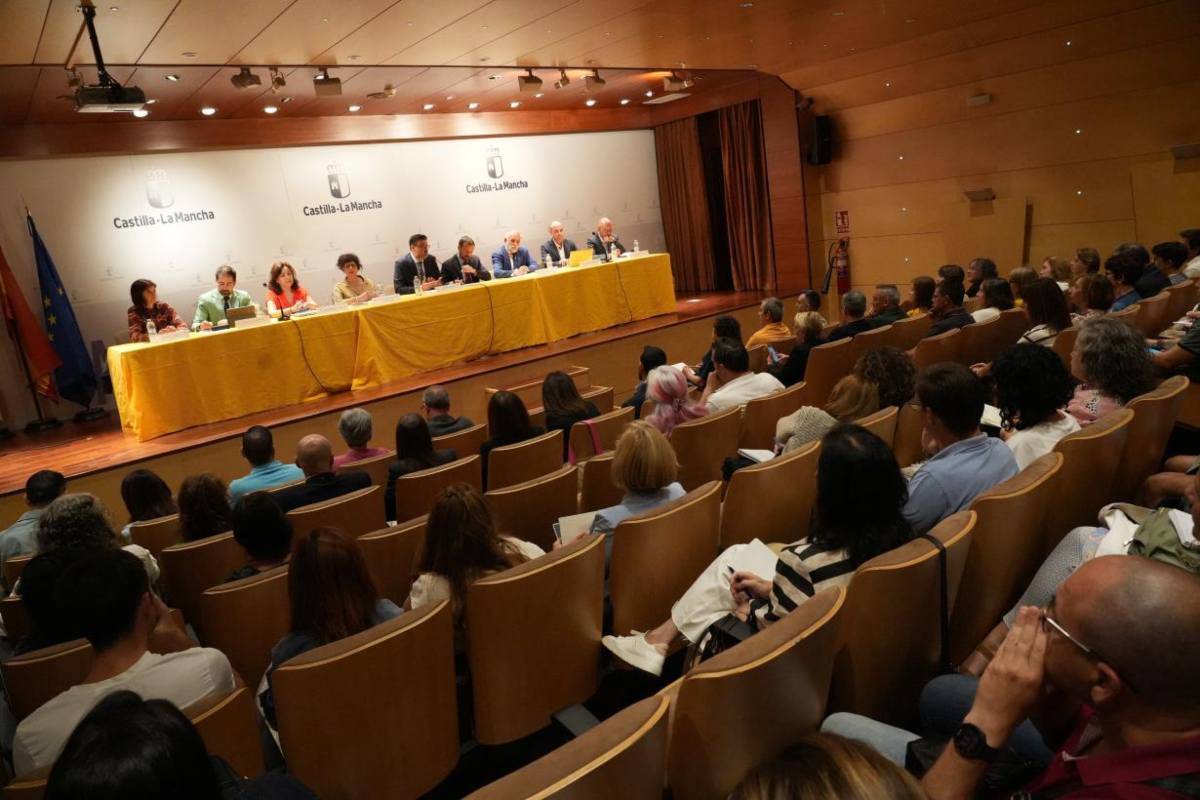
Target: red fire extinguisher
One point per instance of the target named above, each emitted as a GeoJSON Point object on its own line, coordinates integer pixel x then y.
{"type": "Point", "coordinates": [840, 262]}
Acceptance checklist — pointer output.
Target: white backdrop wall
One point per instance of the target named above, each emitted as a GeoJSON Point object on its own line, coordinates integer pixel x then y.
{"type": "Point", "coordinates": [174, 218]}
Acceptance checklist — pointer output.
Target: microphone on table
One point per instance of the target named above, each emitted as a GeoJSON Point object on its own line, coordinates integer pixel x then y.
{"type": "Point", "coordinates": [283, 317]}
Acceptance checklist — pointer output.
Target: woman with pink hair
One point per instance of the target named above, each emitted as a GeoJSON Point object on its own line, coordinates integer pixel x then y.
{"type": "Point", "coordinates": [668, 388]}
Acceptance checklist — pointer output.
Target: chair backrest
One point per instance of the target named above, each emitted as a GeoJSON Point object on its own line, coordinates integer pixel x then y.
{"type": "Point", "coordinates": [1091, 459]}
{"type": "Point", "coordinates": [907, 332]}
{"type": "Point", "coordinates": [761, 414]}
{"type": "Point", "coordinates": [604, 429]}
{"type": "Point", "coordinates": [657, 555]}
{"type": "Point", "coordinates": [17, 624]}
{"type": "Point", "coordinates": [13, 567]}
{"type": "Point", "coordinates": [1128, 314]}
{"type": "Point", "coordinates": [391, 728]}
{"type": "Point", "coordinates": [1152, 314]}
{"type": "Point", "coordinates": [891, 647]}
{"type": "Point", "coordinates": [189, 568]}
{"type": "Point", "coordinates": [1015, 322]}
{"type": "Point", "coordinates": [599, 396]}
{"type": "Point", "coordinates": [745, 705]}
{"type": "Point", "coordinates": [156, 534]}
{"type": "Point", "coordinates": [376, 468]}
{"type": "Point", "coordinates": [827, 364]}
{"type": "Point", "coordinates": [784, 345]}
{"type": "Point", "coordinates": [1182, 298]}
{"type": "Point", "coordinates": [531, 658]}
{"type": "Point", "coordinates": [464, 442]}
{"type": "Point", "coordinates": [1064, 343]}
{"type": "Point", "coordinates": [416, 491]}
{"type": "Point", "coordinates": [36, 677]}
{"type": "Point", "coordinates": [771, 501]}
{"type": "Point", "coordinates": [530, 391]}
{"type": "Point", "coordinates": [357, 512]}
{"type": "Point", "coordinates": [882, 423]}
{"type": "Point", "coordinates": [597, 489]}
{"type": "Point", "coordinates": [244, 619]}
{"type": "Point", "coordinates": [529, 510]}
{"type": "Point", "coordinates": [906, 442]}
{"type": "Point", "coordinates": [532, 458]}
{"type": "Point", "coordinates": [623, 756]}
{"type": "Point", "coordinates": [758, 357]}
{"type": "Point", "coordinates": [936, 349]}
{"type": "Point", "coordinates": [1154, 416]}
{"type": "Point", "coordinates": [1006, 549]}
{"type": "Point", "coordinates": [971, 304]}
{"type": "Point", "coordinates": [982, 341]}
{"type": "Point", "coordinates": [702, 445]}
{"type": "Point", "coordinates": [228, 724]}
{"type": "Point", "coordinates": [871, 340]}
{"type": "Point", "coordinates": [391, 555]}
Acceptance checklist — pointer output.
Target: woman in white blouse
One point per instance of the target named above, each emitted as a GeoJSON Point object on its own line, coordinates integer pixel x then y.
{"type": "Point", "coordinates": [1047, 309]}
{"type": "Point", "coordinates": [1032, 389]}
{"type": "Point", "coordinates": [997, 297]}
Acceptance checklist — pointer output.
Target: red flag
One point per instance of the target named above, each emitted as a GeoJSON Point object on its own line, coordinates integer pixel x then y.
{"type": "Point", "coordinates": [19, 319]}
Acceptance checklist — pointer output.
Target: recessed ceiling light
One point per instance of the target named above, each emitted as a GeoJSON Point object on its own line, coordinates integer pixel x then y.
{"type": "Point", "coordinates": [590, 102]}
{"type": "Point", "coordinates": [624, 101]}
{"type": "Point", "coordinates": [904, 208]}
{"type": "Point", "coordinates": [172, 77]}
{"type": "Point", "coordinates": [483, 27]}
{"type": "Point", "coordinates": [901, 158]}
{"type": "Point", "coordinates": [324, 19]}
{"type": "Point", "coordinates": [887, 84]}
{"type": "Point", "coordinates": [839, 13]}
{"type": "Point", "coordinates": [495, 77]}
{"type": "Point", "coordinates": [649, 93]}
{"type": "Point", "coordinates": [472, 106]}
{"type": "Point", "coordinates": [151, 101]}
{"type": "Point", "coordinates": [910, 20]}
{"type": "Point", "coordinates": [1078, 131]}
{"type": "Point", "coordinates": [449, 97]}
{"type": "Point", "coordinates": [1068, 42]}
{"type": "Point", "coordinates": [1079, 192]}
{"type": "Point", "coordinates": [428, 107]}
{"type": "Point", "coordinates": [140, 112]}
{"type": "Point", "coordinates": [208, 111]}
{"type": "Point", "coordinates": [746, 5]}
{"type": "Point", "coordinates": [539, 94]}
{"type": "Point", "coordinates": [409, 23]}
{"type": "Point", "coordinates": [515, 104]}
{"type": "Point", "coordinates": [270, 109]}
{"type": "Point", "coordinates": [114, 8]}
{"type": "Point", "coordinates": [188, 54]}
{"type": "Point", "coordinates": [354, 108]}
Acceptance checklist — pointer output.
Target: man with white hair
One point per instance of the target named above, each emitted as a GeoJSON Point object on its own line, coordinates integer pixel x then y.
{"type": "Point", "coordinates": [512, 259]}
{"type": "Point", "coordinates": [604, 239]}
{"type": "Point", "coordinates": [558, 247]}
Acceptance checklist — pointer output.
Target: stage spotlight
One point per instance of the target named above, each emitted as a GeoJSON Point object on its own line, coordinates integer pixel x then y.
{"type": "Point", "coordinates": [593, 82]}
{"type": "Point", "coordinates": [277, 80]}
{"type": "Point", "coordinates": [324, 85]}
{"type": "Point", "coordinates": [677, 81]}
{"type": "Point", "coordinates": [245, 79]}
{"type": "Point", "coordinates": [529, 83]}
{"type": "Point", "coordinates": [563, 80]}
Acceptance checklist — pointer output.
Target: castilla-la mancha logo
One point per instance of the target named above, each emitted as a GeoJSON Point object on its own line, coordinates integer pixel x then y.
{"type": "Point", "coordinates": [158, 189]}
{"type": "Point", "coordinates": [339, 181]}
{"type": "Point", "coordinates": [495, 164]}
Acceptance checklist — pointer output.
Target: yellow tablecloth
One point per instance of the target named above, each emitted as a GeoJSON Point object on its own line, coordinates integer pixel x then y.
{"type": "Point", "coordinates": [169, 386]}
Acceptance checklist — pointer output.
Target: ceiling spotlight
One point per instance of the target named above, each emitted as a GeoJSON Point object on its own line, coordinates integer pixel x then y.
{"type": "Point", "coordinates": [539, 95]}
{"type": "Point", "coordinates": [563, 80]}
{"type": "Point", "coordinates": [649, 93]}
{"type": "Point", "coordinates": [449, 97]}
{"type": "Point", "coordinates": [388, 91]}
{"type": "Point", "coordinates": [354, 108]}
{"type": "Point", "coordinates": [529, 83]}
{"type": "Point", "coordinates": [746, 5]}
{"type": "Point", "coordinates": [591, 101]}
{"type": "Point", "coordinates": [270, 109]}
{"type": "Point", "coordinates": [515, 104]}
{"type": "Point", "coordinates": [277, 80]}
{"type": "Point", "coordinates": [678, 80]}
{"type": "Point", "coordinates": [245, 79]}
{"type": "Point", "coordinates": [140, 112]}
{"type": "Point", "coordinates": [428, 107]}
{"type": "Point", "coordinates": [472, 106]}
{"type": "Point", "coordinates": [593, 82]}
{"type": "Point", "coordinates": [324, 85]}
{"type": "Point", "coordinates": [285, 100]}
{"type": "Point", "coordinates": [172, 77]}
{"type": "Point", "coordinates": [624, 101]}
{"type": "Point", "coordinates": [208, 111]}
{"type": "Point", "coordinates": [151, 101]}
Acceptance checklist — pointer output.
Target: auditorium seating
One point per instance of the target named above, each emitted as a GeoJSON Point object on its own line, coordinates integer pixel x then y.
{"type": "Point", "coordinates": [13, 567]}
{"type": "Point", "coordinates": [464, 443]}
{"type": "Point", "coordinates": [391, 555]}
{"type": "Point", "coordinates": [27, 787]}
{"type": "Point", "coordinates": [188, 568]}
{"type": "Point", "coordinates": [517, 463]}
{"type": "Point", "coordinates": [376, 467]}
{"type": "Point", "coordinates": [702, 445]}
{"type": "Point", "coordinates": [743, 706]}
{"type": "Point", "coordinates": [882, 423]}
{"type": "Point", "coordinates": [907, 332]}
{"type": "Point", "coordinates": [228, 724]}
{"type": "Point", "coordinates": [1154, 415]}
{"type": "Point", "coordinates": [1064, 343]}
{"type": "Point", "coordinates": [1128, 315]}
{"type": "Point", "coordinates": [1152, 314]}
{"type": "Point", "coordinates": [356, 513]}
{"type": "Point", "coordinates": [906, 443]}
{"type": "Point", "coordinates": [871, 340]}
{"type": "Point", "coordinates": [245, 618]}
{"type": "Point", "coordinates": [827, 364]}
{"type": "Point", "coordinates": [416, 491]}
{"type": "Point", "coordinates": [1016, 322]}
{"type": "Point", "coordinates": [600, 396]}
{"type": "Point", "coordinates": [41, 675]}
{"type": "Point", "coordinates": [771, 501]}
{"type": "Point", "coordinates": [596, 488]}
{"type": "Point", "coordinates": [16, 618]}
{"type": "Point", "coordinates": [529, 510]}
{"type": "Point", "coordinates": [758, 357]}
{"type": "Point", "coordinates": [983, 341]}
{"type": "Point", "coordinates": [625, 756]}
{"type": "Point", "coordinates": [602, 430]}
{"type": "Point", "coordinates": [936, 349]}
{"type": "Point", "coordinates": [156, 534]}
{"type": "Point", "coordinates": [1182, 297]}
{"type": "Point", "coordinates": [1091, 458]}
{"type": "Point", "coordinates": [533, 639]}
{"type": "Point", "coordinates": [375, 714]}
{"type": "Point", "coordinates": [530, 391]}
{"type": "Point", "coordinates": [760, 415]}
{"type": "Point", "coordinates": [657, 555]}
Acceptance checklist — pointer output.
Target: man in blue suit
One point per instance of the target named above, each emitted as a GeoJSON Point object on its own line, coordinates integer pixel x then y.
{"type": "Point", "coordinates": [511, 259]}
{"type": "Point", "coordinates": [558, 247]}
{"type": "Point", "coordinates": [416, 266]}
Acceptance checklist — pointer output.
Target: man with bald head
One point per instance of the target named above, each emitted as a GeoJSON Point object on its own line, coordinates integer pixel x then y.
{"type": "Point", "coordinates": [314, 456]}
{"type": "Point", "coordinates": [603, 239]}
{"type": "Point", "coordinates": [512, 259]}
{"type": "Point", "coordinates": [558, 247]}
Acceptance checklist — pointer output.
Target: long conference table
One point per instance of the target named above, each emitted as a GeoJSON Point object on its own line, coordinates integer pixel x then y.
{"type": "Point", "coordinates": [207, 377]}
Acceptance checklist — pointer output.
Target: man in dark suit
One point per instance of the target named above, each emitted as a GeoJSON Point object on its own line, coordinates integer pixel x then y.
{"type": "Point", "coordinates": [947, 310]}
{"type": "Point", "coordinates": [314, 455]}
{"type": "Point", "coordinates": [416, 263]}
{"type": "Point", "coordinates": [854, 319]}
{"type": "Point", "coordinates": [651, 357]}
{"type": "Point", "coordinates": [464, 265]}
{"type": "Point", "coordinates": [558, 247]}
{"type": "Point", "coordinates": [512, 259]}
{"type": "Point", "coordinates": [603, 239]}
{"type": "Point", "coordinates": [435, 403]}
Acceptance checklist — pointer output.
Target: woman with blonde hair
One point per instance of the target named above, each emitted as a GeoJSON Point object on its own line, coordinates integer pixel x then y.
{"type": "Point", "coordinates": [1059, 269]}
{"type": "Point", "coordinates": [789, 369]}
{"type": "Point", "coordinates": [852, 398]}
{"type": "Point", "coordinates": [1018, 279]}
{"type": "Point", "coordinates": [668, 388]}
{"type": "Point", "coordinates": [824, 766]}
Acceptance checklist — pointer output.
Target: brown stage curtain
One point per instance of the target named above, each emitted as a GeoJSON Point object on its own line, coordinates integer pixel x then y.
{"type": "Point", "coordinates": [747, 203]}
{"type": "Point", "coordinates": [682, 195]}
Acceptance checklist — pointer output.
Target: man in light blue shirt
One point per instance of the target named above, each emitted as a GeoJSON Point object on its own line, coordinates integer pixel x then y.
{"type": "Point", "coordinates": [963, 462]}
{"type": "Point", "coordinates": [212, 305]}
{"type": "Point", "coordinates": [20, 538]}
{"type": "Point", "coordinates": [266, 471]}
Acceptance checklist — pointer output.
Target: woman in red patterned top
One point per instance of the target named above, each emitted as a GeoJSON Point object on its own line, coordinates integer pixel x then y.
{"type": "Point", "coordinates": [284, 293]}
{"type": "Point", "coordinates": [144, 294]}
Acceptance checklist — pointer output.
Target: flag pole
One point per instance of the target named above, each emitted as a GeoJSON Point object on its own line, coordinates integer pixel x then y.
{"type": "Point", "coordinates": [42, 423]}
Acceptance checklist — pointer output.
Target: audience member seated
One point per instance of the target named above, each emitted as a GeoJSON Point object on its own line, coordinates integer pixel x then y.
{"type": "Point", "coordinates": [724, 327]}
{"type": "Point", "coordinates": [314, 455]}
{"type": "Point", "coordinates": [1032, 385]}
{"type": "Point", "coordinates": [146, 496]}
{"type": "Point", "coordinates": [1191, 240]}
{"type": "Point", "coordinates": [48, 625]}
{"type": "Point", "coordinates": [1169, 258]}
{"type": "Point", "coordinates": [857, 516]}
{"type": "Point", "coordinates": [808, 300]}
{"type": "Point", "coordinates": [20, 538]}
{"type": "Point", "coordinates": [266, 472]}
{"type": "Point", "coordinates": [357, 427]}
{"type": "Point", "coordinates": [852, 399]}
{"type": "Point", "coordinates": [1057, 269]}
{"type": "Point", "coordinates": [952, 272]}
{"type": "Point", "coordinates": [462, 545]}
{"type": "Point", "coordinates": [1110, 359]}
{"type": "Point", "coordinates": [854, 319]}
{"type": "Point", "coordinates": [1100, 673]}
{"type": "Point", "coordinates": [80, 523]}
{"type": "Point", "coordinates": [963, 462]}
{"type": "Point", "coordinates": [263, 531]}
{"type": "Point", "coordinates": [979, 271]}
{"type": "Point", "coordinates": [732, 383]}
{"type": "Point", "coordinates": [789, 369]}
{"type": "Point", "coordinates": [1151, 281]}
{"type": "Point", "coordinates": [770, 313]}
{"type": "Point", "coordinates": [997, 297]}
{"type": "Point", "coordinates": [1046, 306]}
{"type": "Point", "coordinates": [828, 767]}
{"type": "Point", "coordinates": [892, 371]}
{"type": "Point", "coordinates": [1085, 262]}
{"type": "Point", "coordinates": [885, 305]}
{"type": "Point", "coordinates": [1018, 279]}
{"type": "Point", "coordinates": [203, 507]}
{"type": "Point", "coordinates": [1123, 272]}
{"type": "Point", "coordinates": [1173, 484]}
{"type": "Point", "coordinates": [947, 311]}
{"type": "Point", "coordinates": [920, 295]}
{"type": "Point", "coordinates": [332, 596]}
{"type": "Point", "coordinates": [667, 388]}
{"type": "Point", "coordinates": [564, 406]}
{"type": "Point", "coordinates": [127, 747]}
{"type": "Point", "coordinates": [108, 595]}
{"type": "Point", "coordinates": [435, 405]}
{"type": "Point", "coordinates": [1092, 296]}
{"type": "Point", "coordinates": [651, 357]}
{"type": "Point", "coordinates": [508, 423]}
{"type": "Point", "coordinates": [414, 452]}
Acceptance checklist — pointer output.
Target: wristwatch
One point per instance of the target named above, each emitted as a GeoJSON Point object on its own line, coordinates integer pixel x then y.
{"type": "Point", "coordinates": [971, 744]}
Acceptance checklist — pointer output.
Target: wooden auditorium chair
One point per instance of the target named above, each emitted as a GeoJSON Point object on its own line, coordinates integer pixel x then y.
{"type": "Point", "coordinates": [592, 437]}
{"type": "Point", "coordinates": [1128, 315]}
{"type": "Point", "coordinates": [1064, 343]}
{"type": "Point", "coordinates": [188, 568]}
{"type": "Point", "coordinates": [1091, 458]}
{"type": "Point", "coordinates": [883, 336]}
{"type": "Point", "coordinates": [1015, 322]}
{"type": "Point", "coordinates": [981, 341]}
{"type": "Point", "coordinates": [417, 491]}
{"type": "Point", "coordinates": [882, 423]}
{"type": "Point", "coordinates": [758, 357]}
{"type": "Point", "coordinates": [13, 567]}
{"type": "Point", "coordinates": [937, 349]}
{"type": "Point", "coordinates": [32, 679]}
{"type": "Point", "coordinates": [1152, 315]}
{"type": "Point", "coordinates": [760, 415]}
{"type": "Point", "coordinates": [702, 445]}
{"type": "Point", "coordinates": [599, 396]}
{"type": "Point", "coordinates": [356, 513]}
{"type": "Point", "coordinates": [16, 619]}
{"type": "Point", "coordinates": [1183, 297]}
{"type": "Point", "coordinates": [391, 555]}
{"type": "Point", "coordinates": [827, 364]}
{"type": "Point", "coordinates": [907, 332]}
{"type": "Point", "coordinates": [156, 534]}
{"type": "Point", "coordinates": [228, 724]}
{"type": "Point", "coordinates": [532, 458]}
{"type": "Point", "coordinates": [465, 442]}
{"type": "Point", "coordinates": [596, 487]}
{"type": "Point", "coordinates": [1154, 416]}
{"type": "Point", "coordinates": [376, 468]}
{"type": "Point", "coordinates": [906, 442]}
{"type": "Point", "coordinates": [771, 501]}
{"type": "Point", "coordinates": [245, 618]}
{"type": "Point", "coordinates": [529, 510]}
{"type": "Point", "coordinates": [530, 391]}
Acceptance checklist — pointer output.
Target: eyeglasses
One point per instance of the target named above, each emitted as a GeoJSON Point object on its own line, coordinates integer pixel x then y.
{"type": "Point", "coordinates": [1050, 622]}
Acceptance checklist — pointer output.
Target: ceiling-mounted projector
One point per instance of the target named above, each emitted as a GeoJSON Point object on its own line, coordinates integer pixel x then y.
{"type": "Point", "coordinates": [108, 99]}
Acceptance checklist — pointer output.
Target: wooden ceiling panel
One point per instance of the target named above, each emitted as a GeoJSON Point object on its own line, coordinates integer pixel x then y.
{"type": "Point", "coordinates": [17, 85]}
{"type": "Point", "coordinates": [310, 27]}
{"type": "Point", "coordinates": [475, 30]}
{"type": "Point", "coordinates": [401, 26]}
{"type": "Point", "coordinates": [22, 25]}
{"type": "Point", "coordinates": [355, 88]}
{"type": "Point", "coordinates": [215, 30]}
{"type": "Point", "coordinates": [124, 33]}
{"type": "Point", "coordinates": [171, 98]}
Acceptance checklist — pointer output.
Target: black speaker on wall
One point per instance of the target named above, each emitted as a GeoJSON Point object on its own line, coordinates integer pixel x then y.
{"type": "Point", "coordinates": [821, 150]}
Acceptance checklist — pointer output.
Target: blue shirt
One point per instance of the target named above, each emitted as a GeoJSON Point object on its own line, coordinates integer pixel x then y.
{"type": "Point", "coordinates": [1125, 301]}
{"type": "Point", "coordinates": [265, 476]}
{"type": "Point", "coordinates": [505, 263]}
{"type": "Point", "coordinates": [633, 503]}
{"type": "Point", "coordinates": [949, 481]}
{"type": "Point", "coordinates": [20, 539]}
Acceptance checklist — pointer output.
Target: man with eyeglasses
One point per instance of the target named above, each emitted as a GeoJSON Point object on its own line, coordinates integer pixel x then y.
{"type": "Point", "coordinates": [1108, 670]}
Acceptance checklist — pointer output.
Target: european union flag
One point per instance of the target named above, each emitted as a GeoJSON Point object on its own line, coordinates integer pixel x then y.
{"type": "Point", "coordinates": [76, 379]}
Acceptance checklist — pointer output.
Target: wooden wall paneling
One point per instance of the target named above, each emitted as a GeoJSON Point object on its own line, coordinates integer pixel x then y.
{"type": "Point", "coordinates": [1166, 195]}
{"type": "Point", "coordinates": [781, 146]}
{"type": "Point", "coordinates": [476, 29]}
{"type": "Point", "coordinates": [995, 229]}
{"type": "Point", "coordinates": [1062, 239]}
{"type": "Point", "coordinates": [17, 93]}
{"type": "Point", "coordinates": [124, 33]}
{"type": "Point", "coordinates": [306, 27]}
{"type": "Point", "coordinates": [23, 25]}
{"type": "Point", "coordinates": [399, 27]}
{"type": "Point", "coordinates": [887, 259]}
{"type": "Point", "coordinates": [212, 29]}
